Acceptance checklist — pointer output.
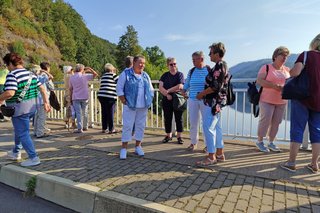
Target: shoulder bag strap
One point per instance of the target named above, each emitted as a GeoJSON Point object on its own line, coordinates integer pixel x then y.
{"type": "Point", "coordinates": [255, 110]}
{"type": "Point", "coordinates": [25, 89]}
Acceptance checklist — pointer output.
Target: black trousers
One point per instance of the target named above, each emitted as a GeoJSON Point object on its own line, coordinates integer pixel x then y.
{"type": "Point", "coordinates": [107, 108]}
{"type": "Point", "coordinates": [168, 111]}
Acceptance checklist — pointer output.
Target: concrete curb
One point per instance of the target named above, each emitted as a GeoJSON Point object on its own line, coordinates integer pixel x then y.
{"type": "Point", "coordinates": [77, 196]}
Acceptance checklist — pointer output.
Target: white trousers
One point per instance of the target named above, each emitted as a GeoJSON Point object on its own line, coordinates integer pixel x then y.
{"type": "Point", "coordinates": [195, 108]}
{"type": "Point", "coordinates": [135, 117]}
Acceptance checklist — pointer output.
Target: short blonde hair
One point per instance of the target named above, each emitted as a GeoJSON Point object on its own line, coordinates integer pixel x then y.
{"type": "Point", "coordinates": [35, 69]}
{"type": "Point", "coordinates": [279, 51]}
{"type": "Point", "coordinates": [315, 43]}
{"type": "Point", "coordinates": [109, 67]}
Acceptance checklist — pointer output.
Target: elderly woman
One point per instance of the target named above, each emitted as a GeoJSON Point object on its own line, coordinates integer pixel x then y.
{"type": "Point", "coordinates": [68, 72]}
{"type": "Point", "coordinates": [18, 80]}
{"type": "Point", "coordinates": [272, 78]}
{"type": "Point", "coordinates": [107, 96]}
{"type": "Point", "coordinates": [306, 111]}
{"type": "Point", "coordinates": [79, 93]}
{"type": "Point", "coordinates": [170, 82]}
{"type": "Point", "coordinates": [135, 92]}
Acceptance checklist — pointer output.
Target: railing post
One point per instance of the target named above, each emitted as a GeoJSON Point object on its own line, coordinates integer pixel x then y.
{"type": "Point", "coordinates": [91, 107]}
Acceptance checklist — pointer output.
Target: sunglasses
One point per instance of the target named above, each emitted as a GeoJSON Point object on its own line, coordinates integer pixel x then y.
{"type": "Point", "coordinates": [173, 64]}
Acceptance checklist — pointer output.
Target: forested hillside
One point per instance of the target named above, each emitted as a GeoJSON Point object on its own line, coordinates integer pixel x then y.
{"type": "Point", "coordinates": [50, 30]}
{"type": "Point", "coordinates": [47, 30]}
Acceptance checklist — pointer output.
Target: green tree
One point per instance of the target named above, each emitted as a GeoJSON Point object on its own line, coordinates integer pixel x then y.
{"type": "Point", "coordinates": [65, 41]}
{"type": "Point", "coordinates": [128, 45]}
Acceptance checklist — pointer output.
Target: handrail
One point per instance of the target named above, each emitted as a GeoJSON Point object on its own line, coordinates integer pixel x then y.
{"type": "Point", "coordinates": [237, 120]}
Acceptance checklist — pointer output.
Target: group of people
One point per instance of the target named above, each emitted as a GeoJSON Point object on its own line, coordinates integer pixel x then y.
{"type": "Point", "coordinates": [205, 89]}
{"type": "Point", "coordinates": [272, 78]}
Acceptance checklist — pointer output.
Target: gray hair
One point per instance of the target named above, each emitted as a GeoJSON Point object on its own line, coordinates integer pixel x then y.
{"type": "Point", "coordinates": [198, 53]}
{"type": "Point", "coordinates": [79, 67]}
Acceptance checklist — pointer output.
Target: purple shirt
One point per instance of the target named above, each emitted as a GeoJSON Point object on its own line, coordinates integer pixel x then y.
{"type": "Point", "coordinates": [79, 85]}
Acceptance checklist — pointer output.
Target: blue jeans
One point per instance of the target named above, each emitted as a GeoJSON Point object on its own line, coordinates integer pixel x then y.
{"type": "Point", "coordinates": [22, 137]}
{"type": "Point", "coordinates": [300, 115]}
{"type": "Point", "coordinates": [81, 110]}
{"type": "Point", "coordinates": [212, 130]}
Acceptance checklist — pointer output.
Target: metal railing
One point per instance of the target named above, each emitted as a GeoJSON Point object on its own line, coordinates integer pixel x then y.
{"type": "Point", "coordinates": [237, 120]}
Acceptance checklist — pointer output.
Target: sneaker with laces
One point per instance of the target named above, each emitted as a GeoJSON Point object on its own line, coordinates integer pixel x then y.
{"type": "Point", "coordinates": [14, 156]}
{"type": "Point", "coordinates": [123, 154]}
{"type": "Point", "coordinates": [262, 147]}
{"type": "Point", "coordinates": [273, 147]}
{"type": "Point", "coordinates": [78, 131]}
{"type": "Point", "coordinates": [31, 162]}
{"type": "Point", "coordinates": [288, 166]}
{"type": "Point", "coordinates": [139, 151]}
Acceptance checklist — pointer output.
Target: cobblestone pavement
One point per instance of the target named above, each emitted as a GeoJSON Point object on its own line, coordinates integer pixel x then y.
{"type": "Point", "coordinates": [92, 158]}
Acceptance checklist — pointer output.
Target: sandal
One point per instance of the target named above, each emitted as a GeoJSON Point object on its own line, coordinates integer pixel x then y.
{"type": "Point", "coordinates": [221, 158]}
{"type": "Point", "coordinates": [180, 141]}
{"type": "Point", "coordinates": [166, 139]}
{"type": "Point", "coordinates": [312, 169]}
{"type": "Point", "coordinates": [206, 162]}
{"type": "Point", "coordinates": [192, 147]}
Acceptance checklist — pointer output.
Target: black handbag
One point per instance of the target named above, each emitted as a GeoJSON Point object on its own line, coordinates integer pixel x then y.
{"type": "Point", "coordinates": [54, 101]}
{"type": "Point", "coordinates": [179, 102]}
{"type": "Point", "coordinates": [7, 111]}
{"type": "Point", "coordinates": [297, 87]}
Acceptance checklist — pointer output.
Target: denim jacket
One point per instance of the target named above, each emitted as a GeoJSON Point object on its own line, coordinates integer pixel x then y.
{"type": "Point", "coordinates": [131, 89]}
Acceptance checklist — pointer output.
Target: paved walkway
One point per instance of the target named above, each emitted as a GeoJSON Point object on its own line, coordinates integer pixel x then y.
{"type": "Point", "coordinates": [249, 181]}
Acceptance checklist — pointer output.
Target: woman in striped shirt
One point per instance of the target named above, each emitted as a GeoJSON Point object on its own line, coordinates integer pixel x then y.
{"type": "Point", "coordinates": [107, 96]}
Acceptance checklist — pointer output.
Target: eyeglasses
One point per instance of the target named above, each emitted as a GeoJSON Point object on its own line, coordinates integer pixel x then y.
{"type": "Point", "coordinates": [173, 64]}
{"type": "Point", "coordinates": [210, 53]}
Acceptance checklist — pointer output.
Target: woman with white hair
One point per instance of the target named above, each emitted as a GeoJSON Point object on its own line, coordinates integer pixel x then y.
{"type": "Point", "coordinates": [107, 96]}
{"type": "Point", "coordinates": [79, 93]}
{"type": "Point", "coordinates": [68, 72]}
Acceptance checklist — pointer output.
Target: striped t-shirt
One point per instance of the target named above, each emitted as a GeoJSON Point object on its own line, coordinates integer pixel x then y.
{"type": "Point", "coordinates": [16, 80]}
{"type": "Point", "coordinates": [196, 82]}
{"type": "Point", "coordinates": [108, 85]}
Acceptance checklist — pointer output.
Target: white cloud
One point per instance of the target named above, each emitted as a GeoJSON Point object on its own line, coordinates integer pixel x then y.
{"type": "Point", "coordinates": [193, 38]}
{"type": "Point", "coordinates": [117, 27]}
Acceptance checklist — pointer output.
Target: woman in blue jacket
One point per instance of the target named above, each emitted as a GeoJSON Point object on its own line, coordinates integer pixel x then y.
{"type": "Point", "coordinates": [135, 92]}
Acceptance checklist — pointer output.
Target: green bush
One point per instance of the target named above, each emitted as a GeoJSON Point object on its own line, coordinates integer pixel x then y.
{"type": "Point", "coordinates": [18, 47]}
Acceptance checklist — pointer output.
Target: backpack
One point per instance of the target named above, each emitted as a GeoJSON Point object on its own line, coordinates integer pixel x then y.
{"type": "Point", "coordinates": [192, 70]}
{"type": "Point", "coordinates": [254, 94]}
{"type": "Point", "coordinates": [231, 97]}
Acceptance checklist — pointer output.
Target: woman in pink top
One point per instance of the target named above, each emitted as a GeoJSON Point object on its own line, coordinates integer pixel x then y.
{"type": "Point", "coordinates": [271, 104]}
{"type": "Point", "coordinates": [79, 92]}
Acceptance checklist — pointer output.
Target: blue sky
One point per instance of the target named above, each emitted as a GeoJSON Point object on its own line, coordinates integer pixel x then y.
{"type": "Point", "coordinates": [250, 29]}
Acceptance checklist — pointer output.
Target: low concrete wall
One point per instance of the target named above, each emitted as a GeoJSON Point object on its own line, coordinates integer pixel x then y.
{"type": "Point", "coordinates": [108, 201]}
{"type": "Point", "coordinates": [16, 176]}
{"type": "Point", "coordinates": [77, 196]}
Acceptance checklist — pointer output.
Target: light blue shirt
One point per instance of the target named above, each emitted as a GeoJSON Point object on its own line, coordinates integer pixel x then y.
{"type": "Point", "coordinates": [196, 83]}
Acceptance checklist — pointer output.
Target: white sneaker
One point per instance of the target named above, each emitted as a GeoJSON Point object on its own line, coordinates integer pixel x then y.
{"type": "Point", "coordinates": [139, 151]}
{"type": "Point", "coordinates": [31, 162]}
{"type": "Point", "coordinates": [14, 156]}
{"type": "Point", "coordinates": [123, 154]}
